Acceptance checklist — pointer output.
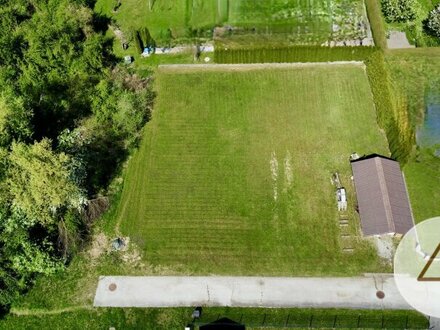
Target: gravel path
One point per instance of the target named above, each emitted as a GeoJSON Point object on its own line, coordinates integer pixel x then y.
{"type": "Point", "coordinates": [173, 291]}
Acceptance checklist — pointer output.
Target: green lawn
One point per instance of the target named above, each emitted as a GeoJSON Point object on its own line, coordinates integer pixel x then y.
{"type": "Point", "coordinates": [233, 175]}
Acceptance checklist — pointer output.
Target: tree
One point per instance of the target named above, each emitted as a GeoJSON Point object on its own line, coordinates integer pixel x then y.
{"type": "Point", "coordinates": [40, 183]}
{"type": "Point", "coordinates": [15, 119]}
{"type": "Point", "coordinates": [433, 22]}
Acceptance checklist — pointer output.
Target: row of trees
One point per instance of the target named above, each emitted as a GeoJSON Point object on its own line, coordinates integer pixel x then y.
{"type": "Point", "coordinates": [68, 115]}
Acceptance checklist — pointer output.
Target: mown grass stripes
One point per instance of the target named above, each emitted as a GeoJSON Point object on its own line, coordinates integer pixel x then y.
{"type": "Point", "coordinates": [233, 176]}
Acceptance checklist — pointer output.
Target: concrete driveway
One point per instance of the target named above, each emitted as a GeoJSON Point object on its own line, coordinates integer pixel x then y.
{"type": "Point", "coordinates": [174, 291]}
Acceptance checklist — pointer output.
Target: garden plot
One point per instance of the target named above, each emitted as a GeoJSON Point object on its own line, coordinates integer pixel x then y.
{"type": "Point", "coordinates": [301, 21]}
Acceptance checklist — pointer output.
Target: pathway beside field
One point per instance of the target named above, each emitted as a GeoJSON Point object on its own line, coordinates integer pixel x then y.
{"type": "Point", "coordinates": [180, 291]}
{"type": "Point", "coordinates": [398, 40]}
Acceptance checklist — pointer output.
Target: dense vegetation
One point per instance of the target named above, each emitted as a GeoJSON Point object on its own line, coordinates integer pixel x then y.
{"type": "Point", "coordinates": [68, 115]}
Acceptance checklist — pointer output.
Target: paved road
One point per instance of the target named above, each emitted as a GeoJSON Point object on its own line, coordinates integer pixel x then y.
{"type": "Point", "coordinates": [173, 291]}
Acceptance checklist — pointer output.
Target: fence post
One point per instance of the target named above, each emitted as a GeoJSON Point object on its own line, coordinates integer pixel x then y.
{"type": "Point", "coordinates": [383, 320]}
{"type": "Point", "coordinates": [334, 322]}
{"type": "Point", "coordinates": [406, 322]}
{"type": "Point", "coordinates": [264, 319]}
{"type": "Point", "coordinates": [311, 321]}
{"type": "Point", "coordinates": [287, 321]}
{"type": "Point", "coordinates": [359, 321]}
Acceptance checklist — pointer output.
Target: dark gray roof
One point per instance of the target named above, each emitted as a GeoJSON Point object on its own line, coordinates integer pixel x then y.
{"type": "Point", "coordinates": [384, 205]}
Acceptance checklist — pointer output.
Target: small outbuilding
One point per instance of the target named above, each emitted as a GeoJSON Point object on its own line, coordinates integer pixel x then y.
{"type": "Point", "coordinates": [383, 200]}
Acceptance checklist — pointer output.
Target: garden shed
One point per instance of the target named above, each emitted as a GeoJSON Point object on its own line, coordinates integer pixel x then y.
{"type": "Point", "coordinates": [384, 205]}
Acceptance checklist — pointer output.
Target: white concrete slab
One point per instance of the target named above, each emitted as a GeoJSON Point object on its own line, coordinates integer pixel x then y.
{"type": "Point", "coordinates": [174, 291]}
{"type": "Point", "coordinates": [398, 40]}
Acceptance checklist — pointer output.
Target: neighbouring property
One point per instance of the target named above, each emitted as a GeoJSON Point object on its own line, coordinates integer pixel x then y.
{"type": "Point", "coordinates": [384, 205]}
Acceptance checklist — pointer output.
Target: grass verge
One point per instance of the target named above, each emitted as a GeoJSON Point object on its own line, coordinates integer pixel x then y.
{"type": "Point", "coordinates": [254, 318]}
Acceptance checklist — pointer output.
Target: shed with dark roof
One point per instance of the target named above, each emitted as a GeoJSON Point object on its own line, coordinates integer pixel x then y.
{"type": "Point", "coordinates": [384, 206]}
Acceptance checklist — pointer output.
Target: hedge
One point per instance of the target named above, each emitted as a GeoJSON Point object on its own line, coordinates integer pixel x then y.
{"type": "Point", "coordinates": [377, 24]}
{"type": "Point", "coordinates": [292, 54]}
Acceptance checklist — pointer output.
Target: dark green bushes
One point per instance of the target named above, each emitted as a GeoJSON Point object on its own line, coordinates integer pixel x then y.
{"type": "Point", "coordinates": [433, 22]}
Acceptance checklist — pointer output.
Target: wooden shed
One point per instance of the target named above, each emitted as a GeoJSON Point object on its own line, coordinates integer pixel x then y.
{"type": "Point", "coordinates": [384, 205]}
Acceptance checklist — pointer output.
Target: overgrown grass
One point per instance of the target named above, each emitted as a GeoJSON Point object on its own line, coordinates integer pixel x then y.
{"type": "Point", "coordinates": [254, 318]}
{"type": "Point", "coordinates": [415, 72]}
{"type": "Point", "coordinates": [233, 176]}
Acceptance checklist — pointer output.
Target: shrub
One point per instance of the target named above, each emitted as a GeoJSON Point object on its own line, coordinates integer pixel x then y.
{"type": "Point", "coordinates": [399, 10]}
{"type": "Point", "coordinates": [433, 22]}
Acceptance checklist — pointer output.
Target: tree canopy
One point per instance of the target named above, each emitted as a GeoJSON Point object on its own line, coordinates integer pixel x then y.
{"type": "Point", "coordinates": [69, 112]}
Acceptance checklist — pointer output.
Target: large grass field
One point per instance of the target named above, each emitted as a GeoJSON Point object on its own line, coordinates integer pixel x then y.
{"type": "Point", "coordinates": [303, 20]}
{"type": "Point", "coordinates": [233, 175]}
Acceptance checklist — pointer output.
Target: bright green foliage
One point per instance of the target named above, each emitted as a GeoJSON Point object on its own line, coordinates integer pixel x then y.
{"type": "Point", "coordinates": [15, 119]}
{"type": "Point", "coordinates": [29, 258]}
{"type": "Point", "coordinates": [233, 175]}
{"type": "Point", "coordinates": [399, 10]}
{"type": "Point", "coordinates": [40, 183]}
{"type": "Point", "coordinates": [433, 22]}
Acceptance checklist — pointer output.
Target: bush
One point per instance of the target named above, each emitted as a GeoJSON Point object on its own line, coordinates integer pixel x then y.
{"type": "Point", "coordinates": [398, 10]}
{"type": "Point", "coordinates": [433, 22]}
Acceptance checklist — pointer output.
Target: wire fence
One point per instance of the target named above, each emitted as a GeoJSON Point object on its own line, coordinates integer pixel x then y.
{"type": "Point", "coordinates": [321, 321]}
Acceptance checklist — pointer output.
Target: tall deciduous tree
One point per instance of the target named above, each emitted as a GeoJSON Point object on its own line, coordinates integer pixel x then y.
{"type": "Point", "coordinates": [40, 182]}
